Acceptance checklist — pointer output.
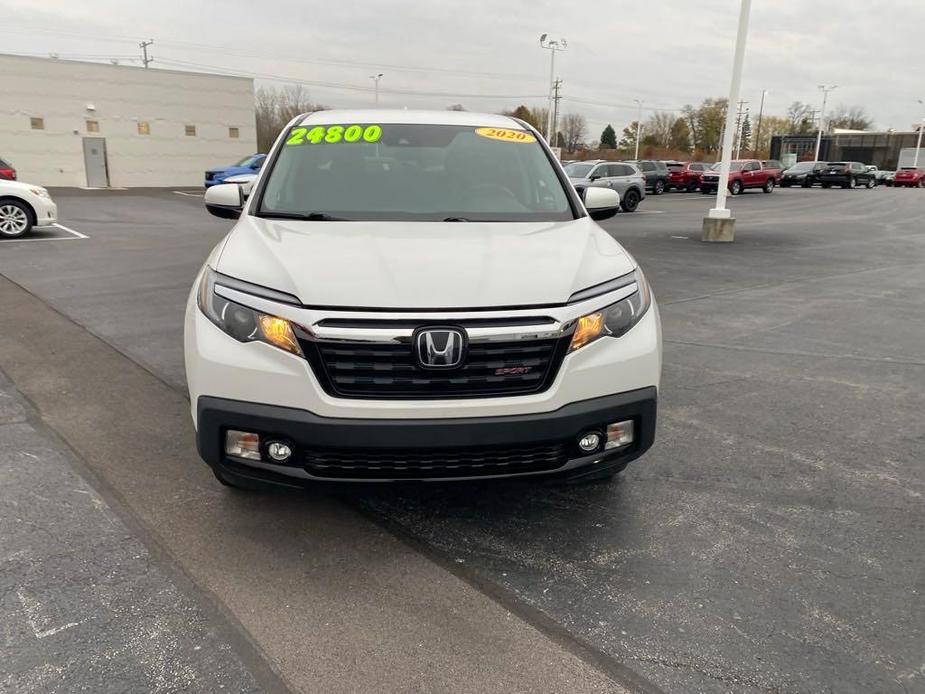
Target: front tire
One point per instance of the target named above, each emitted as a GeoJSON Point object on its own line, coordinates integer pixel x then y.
{"type": "Point", "coordinates": [658, 188]}
{"type": "Point", "coordinates": [768, 186]}
{"type": "Point", "coordinates": [735, 187]}
{"type": "Point", "coordinates": [849, 183]}
{"type": "Point", "coordinates": [630, 201]}
{"type": "Point", "coordinates": [15, 219]}
{"type": "Point", "coordinates": [870, 183]}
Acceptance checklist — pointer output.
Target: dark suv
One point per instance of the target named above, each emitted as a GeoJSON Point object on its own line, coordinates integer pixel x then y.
{"type": "Point", "coordinates": [847, 174]}
{"type": "Point", "coordinates": [656, 173]}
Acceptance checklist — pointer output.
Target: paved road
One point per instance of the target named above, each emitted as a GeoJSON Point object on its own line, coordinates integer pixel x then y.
{"type": "Point", "coordinates": [771, 541]}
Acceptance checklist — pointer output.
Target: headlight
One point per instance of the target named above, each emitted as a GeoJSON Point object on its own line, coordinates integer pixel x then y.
{"type": "Point", "coordinates": [242, 323]}
{"type": "Point", "coordinates": [41, 192]}
{"type": "Point", "coordinates": [614, 320]}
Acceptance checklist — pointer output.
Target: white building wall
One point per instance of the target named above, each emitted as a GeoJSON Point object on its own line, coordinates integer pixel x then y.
{"type": "Point", "coordinates": [60, 92]}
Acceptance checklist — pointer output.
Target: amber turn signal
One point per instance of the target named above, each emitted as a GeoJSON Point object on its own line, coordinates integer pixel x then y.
{"type": "Point", "coordinates": [278, 332]}
{"type": "Point", "coordinates": [589, 328]}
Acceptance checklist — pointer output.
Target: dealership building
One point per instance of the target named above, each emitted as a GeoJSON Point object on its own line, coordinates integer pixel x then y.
{"type": "Point", "coordinates": [886, 150]}
{"type": "Point", "coordinates": [68, 123]}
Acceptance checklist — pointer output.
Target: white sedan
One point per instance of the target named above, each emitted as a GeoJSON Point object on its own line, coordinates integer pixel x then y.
{"type": "Point", "coordinates": [23, 206]}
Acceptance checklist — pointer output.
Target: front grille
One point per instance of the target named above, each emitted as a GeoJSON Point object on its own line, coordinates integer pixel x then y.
{"type": "Point", "coordinates": [433, 463]}
{"type": "Point", "coordinates": [388, 370]}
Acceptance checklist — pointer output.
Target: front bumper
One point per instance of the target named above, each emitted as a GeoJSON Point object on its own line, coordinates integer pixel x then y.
{"type": "Point", "coordinates": [46, 211]}
{"type": "Point", "coordinates": [452, 449]}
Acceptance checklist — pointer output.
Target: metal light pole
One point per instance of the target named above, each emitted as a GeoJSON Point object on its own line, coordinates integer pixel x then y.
{"type": "Point", "coordinates": [764, 93]}
{"type": "Point", "coordinates": [825, 95]}
{"type": "Point", "coordinates": [638, 127]}
{"type": "Point", "coordinates": [375, 78]}
{"type": "Point", "coordinates": [552, 46]}
{"type": "Point", "coordinates": [918, 145]}
{"type": "Point", "coordinates": [719, 225]}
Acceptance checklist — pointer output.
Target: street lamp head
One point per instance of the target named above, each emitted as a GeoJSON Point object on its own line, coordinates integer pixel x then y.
{"type": "Point", "coordinates": [564, 43]}
{"type": "Point", "coordinates": [543, 38]}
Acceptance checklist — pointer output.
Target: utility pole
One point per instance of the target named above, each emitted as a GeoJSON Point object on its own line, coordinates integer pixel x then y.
{"type": "Point", "coordinates": [552, 46]}
{"type": "Point", "coordinates": [825, 95]}
{"type": "Point", "coordinates": [144, 47]}
{"type": "Point", "coordinates": [375, 78]}
{"type": "Point", "coordinates": [738, 133]}
{"type": "Point", "coordinates": [638, 127]}
{"type": "Point", "coordinates": [918, 145]}
{"type": "Point", "coordinates": [758, 129]}
{"type": "Point", "coordinates": [555, 114]}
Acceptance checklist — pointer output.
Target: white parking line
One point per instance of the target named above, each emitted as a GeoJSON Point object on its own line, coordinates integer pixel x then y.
{"type": "Point", "coordinates": [190, 195]}
{"type": "Point", "coordinates": [70, 231]}
{"type": "Point", "coordinates": [74, 236]}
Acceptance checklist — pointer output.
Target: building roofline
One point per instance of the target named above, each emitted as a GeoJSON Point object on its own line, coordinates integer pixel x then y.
{"type": "Point", "coordinates": [122, 67]}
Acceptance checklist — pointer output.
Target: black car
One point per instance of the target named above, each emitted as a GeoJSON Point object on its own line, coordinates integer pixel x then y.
{"type": "Point", "coordinates": [846, 174]}
{"type": "Point", "coordinates": [656, 173]}
{"type": "Point", "coordinates": [804, 173]}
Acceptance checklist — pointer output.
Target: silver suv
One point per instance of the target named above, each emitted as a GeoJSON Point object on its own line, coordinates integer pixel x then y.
{"type": "Point", "coordinates": [620, 176]}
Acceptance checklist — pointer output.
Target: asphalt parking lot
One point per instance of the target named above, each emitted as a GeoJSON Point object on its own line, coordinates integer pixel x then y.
{"type": "Point", "coordinates": [771, 541]}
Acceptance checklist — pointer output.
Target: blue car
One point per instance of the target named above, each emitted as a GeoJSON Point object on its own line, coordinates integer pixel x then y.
{"type": "Point", "coordinates": [248, 164]}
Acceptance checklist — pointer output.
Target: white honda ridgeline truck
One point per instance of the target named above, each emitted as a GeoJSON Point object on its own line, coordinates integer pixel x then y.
{"type": "Point", "coordinates": [418, 296]}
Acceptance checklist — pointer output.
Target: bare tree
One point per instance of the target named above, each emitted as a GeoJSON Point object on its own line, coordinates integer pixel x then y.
{"type": "Point", "coordinates": [658, 128]}
{"type": "Point", "coordinates": [853, 118]}
{"type": "Point", "coordinates": [574, 129]}
{"type": "Point", "coordinates": [800, 118]}
{"type": "Point", "coordinates": [274, 108]}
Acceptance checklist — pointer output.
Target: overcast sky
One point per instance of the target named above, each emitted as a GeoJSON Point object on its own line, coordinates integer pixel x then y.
{"type": "Point", "coordinates": [486, 54]}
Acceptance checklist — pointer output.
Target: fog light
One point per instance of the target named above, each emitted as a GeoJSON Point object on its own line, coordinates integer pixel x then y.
{"type": "Point", "coordinates": [279, 452]}
{"type": "Point", "coordinates": [620, 434]}
{"type": "Point", "coordinates": [589, 441]}
{"type": "Point", "coordinates": [242, 444]}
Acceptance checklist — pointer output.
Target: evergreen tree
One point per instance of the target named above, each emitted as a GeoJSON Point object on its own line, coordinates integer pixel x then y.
{"type": "Point", "coordinates": [608, 138]}
{"type": "Point", "coordinates": [745, 134]}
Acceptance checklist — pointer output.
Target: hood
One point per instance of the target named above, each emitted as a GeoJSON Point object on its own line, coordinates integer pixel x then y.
{"type": "Point", "coordinates": [8, 184]}
{"type": "Point", "coordinates": [406, 265]}
{"type": "Point", "coordinates": [227, 169]}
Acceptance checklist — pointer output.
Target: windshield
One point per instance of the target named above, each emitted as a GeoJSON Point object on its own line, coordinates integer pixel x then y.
{"type": "Point", "coordinates": [412, 172]}
{"type": "Point", "coordinates": [735, 165]}
{"type": "Point", "coordinates": [578, 170]}
{"type": "Point", "coordinates": [802, 166]}
{"type": "Point", "coordinates": [249, 160]}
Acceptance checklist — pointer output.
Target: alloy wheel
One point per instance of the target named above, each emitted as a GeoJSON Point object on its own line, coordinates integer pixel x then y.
{"type": "Point", "coordinates": [13, 220]}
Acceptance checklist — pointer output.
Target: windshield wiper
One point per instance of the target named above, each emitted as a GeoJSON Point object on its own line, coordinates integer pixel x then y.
{"type": "Point", "coordinates": [308, 216]}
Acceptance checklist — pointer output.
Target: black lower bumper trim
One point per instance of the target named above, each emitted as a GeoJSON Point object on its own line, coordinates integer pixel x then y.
{"type": "Point", "coordinates": [368, 440]}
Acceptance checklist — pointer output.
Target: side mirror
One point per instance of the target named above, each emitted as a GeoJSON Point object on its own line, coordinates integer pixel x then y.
{"type": "Point", "coordinates": [225, 200]}
{"type": "Point", "coordinates": [601, 203]}
{"type": "Point", "coordinates": [594, 177]}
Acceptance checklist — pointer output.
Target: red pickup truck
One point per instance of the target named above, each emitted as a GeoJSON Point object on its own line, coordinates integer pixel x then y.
{"type": "Point", "coordinates": [743, 174]}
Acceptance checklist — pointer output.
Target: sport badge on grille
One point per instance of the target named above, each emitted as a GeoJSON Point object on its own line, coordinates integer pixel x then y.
{"type": "Point", "coordinates": [439, 348]}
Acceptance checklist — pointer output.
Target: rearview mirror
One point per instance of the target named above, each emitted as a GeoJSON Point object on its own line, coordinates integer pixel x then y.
{"type": "Point", "coordinates": [225, 200]}
{"type": "Point", "coordinates": [601, 203]}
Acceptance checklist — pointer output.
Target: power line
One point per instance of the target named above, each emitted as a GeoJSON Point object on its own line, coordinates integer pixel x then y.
{"type": "Point", "coordinates": [309, 61]}
{"type": "Point", "coordinates": [340, 85]}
